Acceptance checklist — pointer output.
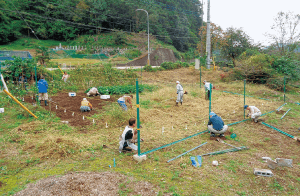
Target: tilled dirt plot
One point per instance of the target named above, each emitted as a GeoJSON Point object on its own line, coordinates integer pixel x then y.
{"type": "Point", "coordinates": [88, 183]}
{"type": "Point", "coordinates": [68, 108]}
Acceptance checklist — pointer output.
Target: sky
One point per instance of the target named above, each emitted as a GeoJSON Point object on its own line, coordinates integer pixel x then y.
{"type": "Point", "coordinates": [255, 17]}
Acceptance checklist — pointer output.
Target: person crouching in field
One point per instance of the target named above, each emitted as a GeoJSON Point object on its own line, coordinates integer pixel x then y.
{"type": "Point", "coordinates": [125, 101]}
{"type": "Point", "coordinates": [254, 112]}
{"type": "Point", "coordinates": [128, 137]}
{"type": "Point", "coordinates": [43, 88]}
{"type": "Point", "coordinates": [93, 92]}
{"type": "Point", "coordinates": [216, 125]}
{"type": "Point", "coordinates": [86, 106]}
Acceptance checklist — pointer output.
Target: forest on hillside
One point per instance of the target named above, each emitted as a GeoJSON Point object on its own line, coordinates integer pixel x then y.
{"type": "Point", "coordinates": [173, 22]}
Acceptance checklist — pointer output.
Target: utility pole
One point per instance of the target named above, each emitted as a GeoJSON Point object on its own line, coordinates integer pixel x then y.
{"type": "Point", "coordinates": [208, 45]}
{"type": "Point", "coordinates": [148, 61]}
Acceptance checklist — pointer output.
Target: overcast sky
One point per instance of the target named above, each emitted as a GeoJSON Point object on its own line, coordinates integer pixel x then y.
{"type": "Point", "coordinates": [255, 17]}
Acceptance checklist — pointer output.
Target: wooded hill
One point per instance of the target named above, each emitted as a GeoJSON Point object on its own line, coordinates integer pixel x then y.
{"type": "Point", "coordinates": [174, 22]}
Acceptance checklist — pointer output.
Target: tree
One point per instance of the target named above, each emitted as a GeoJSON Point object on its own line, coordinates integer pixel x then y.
{"type": "Point", "coordinates": [216, 35]}
{"type": "Point", "coordinates": [286, 34]}
{"type": "Point", "coordinates": [236, 41]}
{"type": "Point", "coordinates": [42, 55]}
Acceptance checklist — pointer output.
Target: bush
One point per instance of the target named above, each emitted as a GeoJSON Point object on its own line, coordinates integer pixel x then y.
{"type": "Point", "coordinates": [287, 66]}
{"type": "Point", "coordinates": [131, 54]}
{"type": "Point", "coordinates": [276, 83]}
{"type": "Point", "coordinates": [148, 68]}
{"type": "Point", "coordinates": [176, 65]}
{"type": "Point", "coordinates": [124, 89]}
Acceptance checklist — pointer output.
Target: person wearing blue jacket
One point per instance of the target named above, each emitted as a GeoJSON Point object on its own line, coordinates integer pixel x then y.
{"type": "Point", "coordinates": [43, 88]}
{"type": "Point", "coordinates": [216, 125]}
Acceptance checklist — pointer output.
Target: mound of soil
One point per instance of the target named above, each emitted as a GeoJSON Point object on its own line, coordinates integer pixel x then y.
{"type": "Point", "coordinates": [88, 183]}
{"type": "Point", "coordinates": [156, 58]}
{"type": "Point", "coordinates": [72, 105]}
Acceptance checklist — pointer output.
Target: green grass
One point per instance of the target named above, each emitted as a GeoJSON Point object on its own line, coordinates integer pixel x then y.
{"type": "Point", "coordinates": [234, 176]}
{"type": "Point", "coordinates": [30, 43]}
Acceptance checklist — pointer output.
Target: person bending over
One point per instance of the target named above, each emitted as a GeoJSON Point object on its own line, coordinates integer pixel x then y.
{"type": "Point", "coordinates": [86, 106]}
{"type": "Point", "coordinates": [216, 125]}
{"type": "Point", "coordinates": [254, 112]}
{"type": "Point", "coordinates": [93, 92]}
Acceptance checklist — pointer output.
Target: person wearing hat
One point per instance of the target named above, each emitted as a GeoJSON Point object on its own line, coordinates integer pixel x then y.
{"type": "Point", "coordinates": [207, 88]}
{"type": "Point", "coordinates": [216, 125]}
{"type": "Point", "coordinates": [254, 112]}
{"type": "Point", "coordinates": [86, 106]}
{"type": "Point", "coordinates": [179, 93]}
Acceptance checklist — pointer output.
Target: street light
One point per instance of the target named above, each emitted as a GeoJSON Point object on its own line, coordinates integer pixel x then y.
{"type": "Point", "coordinates": [148, 61]}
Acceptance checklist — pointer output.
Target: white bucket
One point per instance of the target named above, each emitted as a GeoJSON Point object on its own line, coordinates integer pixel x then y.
{"type": "Point", "coordinates": [105, 97]}
{"type": "Point", "coordinates": [1, 110]}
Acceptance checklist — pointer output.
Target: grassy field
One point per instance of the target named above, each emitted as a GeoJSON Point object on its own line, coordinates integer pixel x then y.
{"type": "Point", "coordinates": [35, 149]}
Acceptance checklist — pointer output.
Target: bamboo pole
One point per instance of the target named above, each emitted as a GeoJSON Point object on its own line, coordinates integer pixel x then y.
{"type": "Point", "coordinates": [19, 103]}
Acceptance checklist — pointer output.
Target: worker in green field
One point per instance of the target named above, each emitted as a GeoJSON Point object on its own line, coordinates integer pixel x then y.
{"type": "Point", "coordinates": [43, 88]}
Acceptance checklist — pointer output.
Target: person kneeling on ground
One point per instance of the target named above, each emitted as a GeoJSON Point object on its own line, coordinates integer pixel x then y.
{"type": "Point", "coordinates": [254, 112]}
{"type": "Point", "coordinates": [93, 91]}
{"type": "Point", "coordinates": [216, 125]}
{"type": "Point", "coordinates": [124, 101]}
{"type": "Point", "coordinates": [86, 106]}
{"type": "Point", "coordinates": [128, 137]}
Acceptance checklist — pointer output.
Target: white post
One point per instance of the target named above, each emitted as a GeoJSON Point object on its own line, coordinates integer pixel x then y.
{"type": "Point", "coordinates": [208, 35]}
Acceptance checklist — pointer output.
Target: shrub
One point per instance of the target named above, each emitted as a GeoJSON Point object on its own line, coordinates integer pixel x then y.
{"type": "Point", "coordinates": [276, 83]}
{"type": "Point", "coordinates": [124, 89]}
{"type": "Point", "coordinates": [131, 54]}
{"type": "Point", "coordinates": [148, 68]}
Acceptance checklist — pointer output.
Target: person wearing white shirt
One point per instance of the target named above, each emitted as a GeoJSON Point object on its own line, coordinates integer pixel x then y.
{"type": "Point", "coordinates": [254, 112]}
{"type": "Point", "coordinates": [179, 93]}
{"type": "Point", "coordinates": [207, 88]}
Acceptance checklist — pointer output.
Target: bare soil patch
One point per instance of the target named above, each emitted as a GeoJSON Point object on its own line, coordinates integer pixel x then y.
{"type": "Point", "coordinates": [89, 183]}
{"type": "Point", "coordinates": [66, 106]}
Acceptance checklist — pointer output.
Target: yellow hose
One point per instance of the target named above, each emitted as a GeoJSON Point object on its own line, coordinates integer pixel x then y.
{"type": "Point", "coordinates": [19, 103]}
{"type": "Point", "coordinates": [60, 69]}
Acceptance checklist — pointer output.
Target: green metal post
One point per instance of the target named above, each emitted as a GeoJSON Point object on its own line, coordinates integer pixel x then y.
{"type": "Point", "coordinates": [37, 100]}
{"type": "Point", "coordinates": [210, 87]}
{"type": "Point", "coordinates": [200, 75]}
{"type": "Point", "coordinates": [0, 76]}
{"type": "Point", "coordinates": [244, 96]}
{"type": "Point", "coordinates": [284, 90]}
{"type": "Point", "coordinates": [138, 116]}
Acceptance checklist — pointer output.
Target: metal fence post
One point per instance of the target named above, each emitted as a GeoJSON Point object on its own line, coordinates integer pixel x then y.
{"type": "Point", "coordinates": [284, 90]}
{"type": "Point", "coordinates": [210, 92]}
{"type": "Point", "coordinates": [138, 116]}
{"type": "Point", "coordinates": [244, 96]}
{"type": "Point", "coordinates": [37, 101]}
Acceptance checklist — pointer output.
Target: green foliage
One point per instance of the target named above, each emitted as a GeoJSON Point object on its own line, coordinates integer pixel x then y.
{"type": "Point", "coordinates": [237, 42]}
{"type": "Point", "coordinates": [55, 21]}
{"type": "Point", "coordinates": [42, 55]}
{"type": "Point", "coordinates": [131, 54]}
{"type": "Point", "coordinates": [176, 65]}
{"type": "Point", "coordinates": [124, 89]}
{"type": "Point", "coordinates": [18, 67]}
{"type": "Point", "coordinates": [287, 66]}
{"type": "Point", "coordinates": [276, 83]}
